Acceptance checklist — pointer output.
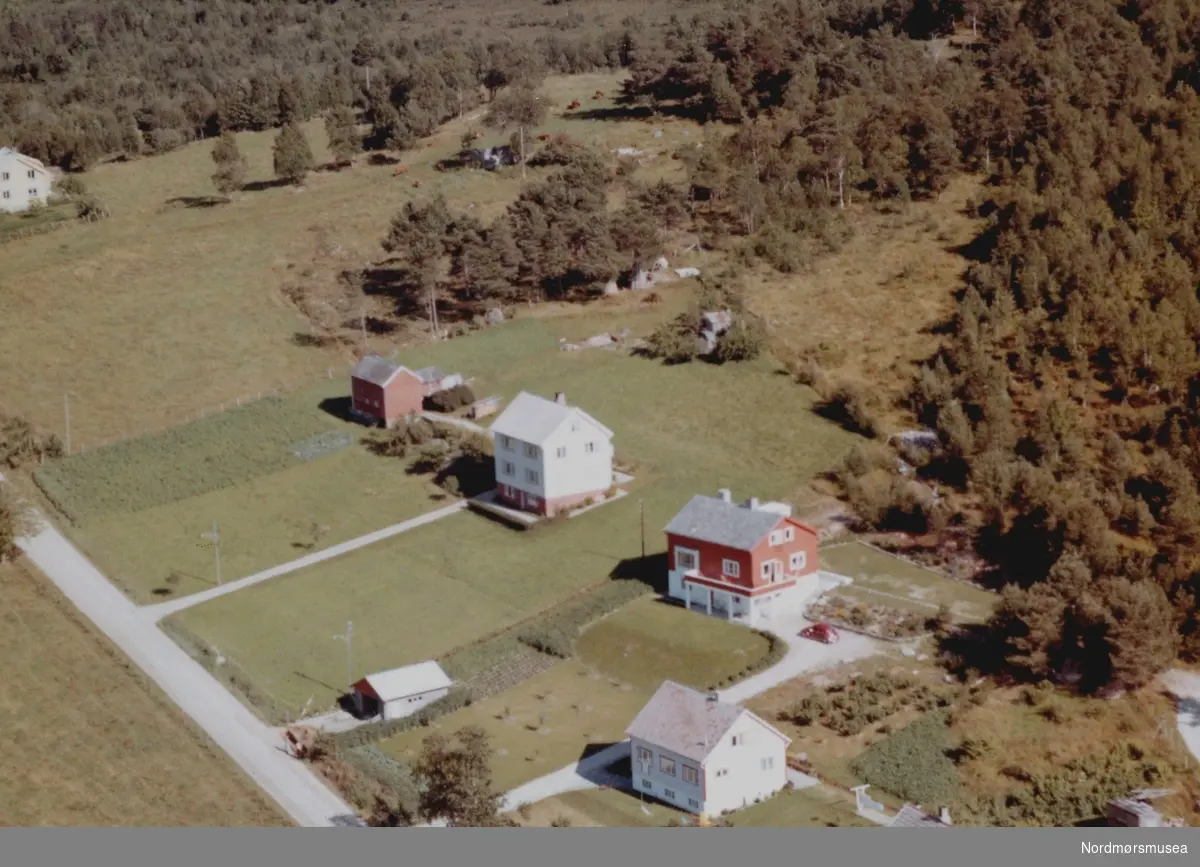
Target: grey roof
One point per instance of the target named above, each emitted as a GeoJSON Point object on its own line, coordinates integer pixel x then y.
{"type": "Point", "coordinates": [713, 520]}
{"type": "Point", "coordinates": [1141, 808]}
{"type": "Point", "coordinates": [374, 369]}
{"type": "Point", "coordinates": [430, 374]}
{"type": "Point", "coordinates": [533, 419]}
{"type": "Point", "coordinates": [684, 721]}
{"type": "Point", "coordinates": [910, 817]}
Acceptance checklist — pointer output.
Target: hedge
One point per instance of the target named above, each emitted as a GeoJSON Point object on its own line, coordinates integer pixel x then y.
{"type": "Point", "coordinates": [393, 775]}
{"type": "Point", "coordinates": [555, 633]}
{"type": "Point", "coordinates": [912, 763]}
{"type": "Point", "coordinates": [372, 732]}
{"type": "Point", "coordinates": [451, 399]}
{"type": "Point", "coordinates": [776, 651]}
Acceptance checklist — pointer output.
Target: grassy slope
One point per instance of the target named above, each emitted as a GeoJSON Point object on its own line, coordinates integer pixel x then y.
{"type": "Point", "coordinates": [88, 741]}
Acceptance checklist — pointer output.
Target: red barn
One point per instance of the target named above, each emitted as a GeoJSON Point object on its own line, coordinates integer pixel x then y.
{"type": "Point", "coordinates": [383, 392]}
{"type": "Point", "coordinates": [740, 561]}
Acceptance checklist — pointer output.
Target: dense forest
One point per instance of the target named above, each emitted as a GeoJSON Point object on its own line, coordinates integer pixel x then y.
{"type": "Point", "coordinates": [81, 81]}
{"type": "Point", "coordinates": [1067, 393]}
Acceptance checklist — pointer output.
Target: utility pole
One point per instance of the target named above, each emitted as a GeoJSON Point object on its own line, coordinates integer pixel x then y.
{"type": "Point", "coordinates": [215, 538]}
{"type": "Point", "coordinates": [348, 637]}
{"type": "Point", "coordinates": [67, 414]}
{"type": "Point", "coordinates": [642, 517]}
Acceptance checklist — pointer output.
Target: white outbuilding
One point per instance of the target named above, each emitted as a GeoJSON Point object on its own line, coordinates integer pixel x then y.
{"type": "Point", "coordinates": [401, 692]}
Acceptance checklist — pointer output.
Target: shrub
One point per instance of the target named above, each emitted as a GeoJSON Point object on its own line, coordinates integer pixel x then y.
{"type": "Point", "coordinates": [90, 209]}
{"type": "Point", "coordinates": [456, 699]}
{"type": "Point", "coordinates": [744, 341]}
{"type": "Point", "coordinates": [560, 822]}
{"type": "Point", "coordinates": [912, 763]}
{"type": "Point", "coordinates": [851, 406]}
{"type": "Point", "coordinates": [70, 186]}
{"type": "Point", "coordinates": [675, 342]}
{"type": "Point", "coordinates": [451, 399]}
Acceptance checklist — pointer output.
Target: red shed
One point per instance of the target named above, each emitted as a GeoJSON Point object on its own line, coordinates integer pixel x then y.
{"type": "Point", "coordinates": [383, 392]}
{"type": "Point", "coordinates": [740, 560]}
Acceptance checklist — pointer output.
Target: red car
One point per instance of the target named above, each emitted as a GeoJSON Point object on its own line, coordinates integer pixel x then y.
{"type": "Point", "coordinates": [821, 632]}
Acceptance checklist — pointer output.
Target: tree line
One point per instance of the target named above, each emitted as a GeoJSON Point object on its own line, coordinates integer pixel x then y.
{"type": "Point", "coordinates": [80, 82]}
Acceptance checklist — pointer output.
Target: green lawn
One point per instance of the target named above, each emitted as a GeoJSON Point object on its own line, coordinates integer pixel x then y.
{"type": "Point", "coordinates": [542, 724]}
{"type": "Point", "coordinates": [11, 224]}
{"type": "Point", "coordinates": [601, 808]}
{"type": "Point", "coordinates": [649, 641]}
{"type": "Point", "coordinates": [815, 807]}
{"type": "Point", "coordinates": [881, 579]}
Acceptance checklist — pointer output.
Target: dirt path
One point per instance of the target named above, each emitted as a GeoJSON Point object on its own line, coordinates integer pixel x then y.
{"type": "Point", "coordinates": [154, 613]}
{"type": "Point", "coordinates": [251, 743]}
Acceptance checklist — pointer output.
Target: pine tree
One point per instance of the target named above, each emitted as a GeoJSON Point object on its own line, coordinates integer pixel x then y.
{"type": "Point", "coordinates": [344, 141]}
{"type": "Point", "coordinates": [293, 156]}
{"type": "Point", "coordinates": [518, 108]}
{"type": "Point", "coordinates": [230, 176]}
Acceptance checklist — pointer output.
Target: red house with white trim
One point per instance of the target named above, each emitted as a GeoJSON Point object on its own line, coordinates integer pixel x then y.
{"type": "Point", "coordinates": [382, 392]}
{"type": "Point", "coordinates": [740, 561]}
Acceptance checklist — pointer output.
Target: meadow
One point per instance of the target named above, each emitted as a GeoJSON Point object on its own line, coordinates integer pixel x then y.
{"type": "Point", "coordinates": [89, 741]}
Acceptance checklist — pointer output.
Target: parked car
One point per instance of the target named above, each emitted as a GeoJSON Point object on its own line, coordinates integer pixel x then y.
{"type": "Point", "coordinates": [821, 632]}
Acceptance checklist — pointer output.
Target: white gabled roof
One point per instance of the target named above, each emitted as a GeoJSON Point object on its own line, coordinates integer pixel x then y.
{"type": "Point", "coordinates": [409, 680]}
{"type": "Point", "coordinates": [534, 419]}
{"type": "Point", "coordinates": [20, 157]}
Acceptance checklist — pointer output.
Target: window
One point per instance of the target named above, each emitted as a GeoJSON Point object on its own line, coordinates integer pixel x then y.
{"type": "Point", "coordinates": [590, 448]}
{"type": "Point", "coordinates": [789, 533]}
{"type": "Point", "coordinates": [667, 766]}
{"type": "Point", "coordinates": [531, 451]}
{"type": "Point", "coordinates": [767, 764]}
{"type": "Point", "coordinates": [509, 469]}
{"type": "Point", "coordinates": [732, 568]}
{"type": "Point", "coordinates": [766, 570]}
{"type": "Point", "coordinates": [531, 476]}
{"type": "Point", "coordinates": [798, 560]}
{"type": "Point", "coordinates": [505, 442]}
{"type": "Point", "coordinates": [685, 559]}
{"type": "Point", "coordinates": [33, 192]}
{"type": "Point", "coordinates": [692, 802]}
{"type": "Point", "coordinates": [669, 794]}
{"type": "Point", "coordinates": [32, 173]}
{"type": "Point", "coordinates": [738, 740]}
{"type": "Point", "coordinates": [575, 427]}
{"type": "Point", "coordinates": [691, 775]}
{"type": "Point", "coordinates": [776, 537]}
{"type": "Point", "coordinates": [6, 194]}
{"type": "Point", "coordinates": [646, 785]}
{"type": "Point", "coordinates": [724, 772]}
{"type": "Point", "coordinates": [645, 756]}
{"type": "Point", "coordinates": [4, 176]}
{"type": "Point", "coordinates": [561, 452]}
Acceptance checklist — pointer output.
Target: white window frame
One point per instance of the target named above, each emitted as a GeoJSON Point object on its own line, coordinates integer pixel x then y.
{"type": "Point", "coordinates": [575, 426]}
{"type": "Point", "coordinates": [737, 740]}
{"type": "Point", "coordinates": [505, 441]}
{"type": "Point", "coordinates": [4, 176]}
{"type": "Point", "coordinates": [33, 193]}
{"type": "Point", "coordinates": [6, 194]}
{"type": "Point", "coordinates": [724, 772]}
{"type": "Point", "coordinates": [692, 552]}
{"type": "Point", "coordinates": [798, 560]}
{"type": "Point", "coordinates": [667, 793]}
{"type": "Point", "coordinates": [690, 775]}
{"type": "Point", "coordinates": [647, 785]}
{"type": "Point", "coordinates": [532, 476]}
{"type": "Point", "coordinates": [590, 448]}
{"type": "Point", "coordinates": [776, 537]}
{"type": "Point", "coordinates": [732, 568]}
{"type": "Point", "coordinates": [789, 533]}
{"type": "Point", "coordinates": [32, 173]}
{"type": "Point", "coordinates": [645, 756]}
{"type": "Point", "coordinates": [767, 764]}
{"type": "Point", "coordinates": [666, 765]}
{"type": "Point", "coordinates": [692, 802]}
{"type": "Point", "coordinates": [531, 451]}
{"type": "Point", "coordinates": [509, 469]}
{"type": "Point", "coordinates": [561, 452]}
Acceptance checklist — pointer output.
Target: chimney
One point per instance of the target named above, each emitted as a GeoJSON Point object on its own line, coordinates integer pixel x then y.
{"type": "Point", "coordinates": [725, 495]}
{"type": "Point", "coordinates": [561, 398]}
{"type": "Point", "coordinates": [752, 504]}
{"type": "Point", "coordinates": [944, 816]}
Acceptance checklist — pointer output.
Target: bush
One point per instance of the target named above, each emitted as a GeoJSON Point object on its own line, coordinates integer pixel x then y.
{"type": "Point", "coordinates": [912, 763]}
{"type": "Point", "coordinates": [744, 341]}
{"type": "Point", "coordinates": [853, 408]}
{"type": "Point", "coordinates": [675, 342]}
{"type": "Point", "coordinates": [70, 186]}
{"type": "Point", "coordinates": [90, 209]}
{"type": "Point", "coordinates": [451, 399]}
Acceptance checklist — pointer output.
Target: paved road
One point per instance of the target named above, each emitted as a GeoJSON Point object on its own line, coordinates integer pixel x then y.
{"type": "Point", "coordinates": [803, 656]}
{"type": "Point", "coordinates": [163, 609]}
{"type": "Point", "coordinates": [250, 742]}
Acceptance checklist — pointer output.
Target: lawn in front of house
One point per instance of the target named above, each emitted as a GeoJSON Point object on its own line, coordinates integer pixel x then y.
{"type": "Point", "coordinates": [600, 808]}
{"type": "Point", "coordinates": [819, 806]}
{"type": "Point", "coordinates": [541, 725]}
{"type": "Point", "coordinates": [649, 641]}
{"type": "Point", "coordinates": [886, 580]}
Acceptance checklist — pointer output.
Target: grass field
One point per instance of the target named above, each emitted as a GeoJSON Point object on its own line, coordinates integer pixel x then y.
{"type": "Point", "coordinates": [194, 287]}
{"type": "Point", "coordinates": [816, 807]}
{"type": "Point", "coordinates": [881, 579]}
{"type": "Point", "coordinates": [11, 224]}
{"type": "Point", "coordinates": [649, 641]}
{"type": "Point", "coordinates": [89, 741]}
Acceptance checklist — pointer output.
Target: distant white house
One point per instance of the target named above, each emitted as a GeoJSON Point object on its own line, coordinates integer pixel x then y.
{"type": "Point", "coordinates": [703, 755]}
{"type": "Point", "coordinates": [23, 180]}
{"type": "Point", "coordinates": [401, 692]}
{"type": "Point", "coordinates": [550, 456]}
